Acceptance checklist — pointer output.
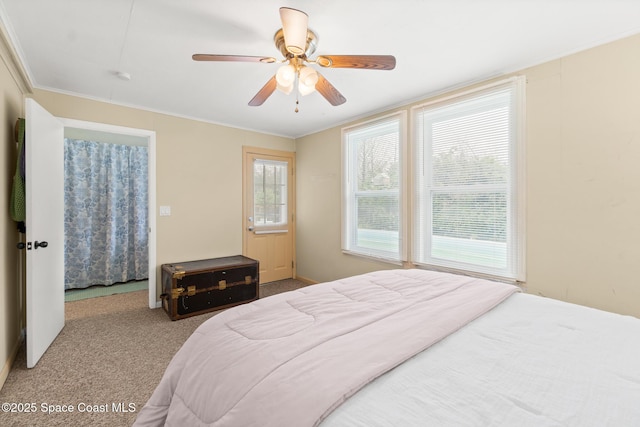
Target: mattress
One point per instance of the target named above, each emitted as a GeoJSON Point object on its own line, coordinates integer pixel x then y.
{"type": "Point", "coordinates": [531, 361]}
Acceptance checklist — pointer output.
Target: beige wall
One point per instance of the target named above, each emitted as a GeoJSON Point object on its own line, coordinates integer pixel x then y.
{"type": "Point", "coordinates": [583, 169]}
{"type": "Point", "coordinates": [583, 184]}
{"type": "Point", "coordinates": [198, 174]}
{"type": "Point", "coordinates": [11, 314]}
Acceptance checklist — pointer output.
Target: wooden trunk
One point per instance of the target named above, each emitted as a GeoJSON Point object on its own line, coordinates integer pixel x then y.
{"type": "Point", "coordinates": [196, 287]}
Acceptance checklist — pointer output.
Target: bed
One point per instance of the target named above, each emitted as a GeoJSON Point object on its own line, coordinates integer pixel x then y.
{"type": "Point", "coordinates": [404, 348]}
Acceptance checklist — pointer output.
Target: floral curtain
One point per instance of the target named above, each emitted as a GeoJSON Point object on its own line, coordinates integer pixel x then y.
{"type": "Point", "coordinates": [106, 221]}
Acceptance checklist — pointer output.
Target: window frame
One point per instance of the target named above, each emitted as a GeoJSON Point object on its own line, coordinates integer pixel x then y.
{"type": "Point", "coordinates": [516, 202]}
{"type": "Point", "coordinates": [350, 197]}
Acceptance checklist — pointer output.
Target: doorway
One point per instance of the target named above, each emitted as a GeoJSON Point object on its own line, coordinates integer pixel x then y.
{"type": "Point", "coordinates": [103, 133]}
{"type": "Point", "coordinates": [269, 211]}
{"type": "Point", "coordinates": [44, 221]}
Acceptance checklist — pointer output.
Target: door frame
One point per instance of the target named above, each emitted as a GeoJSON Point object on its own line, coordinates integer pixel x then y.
{"type": "Point", "coordinates": [150, 136]}
{"type": "Point", "coordinates": [245, 205]}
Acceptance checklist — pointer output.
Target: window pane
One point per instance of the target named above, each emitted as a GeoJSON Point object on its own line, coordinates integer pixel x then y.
{"type": "Point", "coordinates": [378, 222]}
{"type": "Point", "coordinates": [472, 149]}
{"type": "Point", "coordinates": [470, 228]}
{"type": "Point", "coordinates": [270, 192]}
{"type": "Point", "coordinates": [378, 162]}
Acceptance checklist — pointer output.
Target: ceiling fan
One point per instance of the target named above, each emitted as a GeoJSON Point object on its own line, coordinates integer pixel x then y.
{"type": "Point", "coordinates": [297, 43]}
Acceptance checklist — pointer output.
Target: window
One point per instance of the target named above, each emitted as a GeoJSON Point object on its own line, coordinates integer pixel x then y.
{"type": "Point", "coordinates": [269, 192]}
{"type": "Point", "coordinates": [373, 188]}
{"type": "Point", "coordinates": [466, 198]}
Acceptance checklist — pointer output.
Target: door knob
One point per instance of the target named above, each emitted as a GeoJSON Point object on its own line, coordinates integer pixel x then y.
{"type": "Point", "coordinates": [37, 244]}
{"type": "Point", "coordinates": [21, 245]}
{"type": "Point", "coordinates": [250, 228]}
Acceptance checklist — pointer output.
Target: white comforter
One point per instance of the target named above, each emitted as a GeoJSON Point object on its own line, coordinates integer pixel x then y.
{"type": "Point", "coordinates": [290, 359]}
{"type": "Point", "coordinates": [529, 362]}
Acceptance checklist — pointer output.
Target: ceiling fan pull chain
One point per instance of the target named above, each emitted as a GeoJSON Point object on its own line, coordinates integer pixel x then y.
{"type": "Point", "coordinates": [297, 82]}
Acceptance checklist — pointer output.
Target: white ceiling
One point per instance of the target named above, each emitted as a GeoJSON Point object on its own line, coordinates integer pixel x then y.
{"type": "Point", "coordinates": [78, 46]}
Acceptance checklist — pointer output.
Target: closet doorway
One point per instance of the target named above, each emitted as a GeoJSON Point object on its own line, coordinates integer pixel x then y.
{"type": "Point", "coordinates": [110, 134]}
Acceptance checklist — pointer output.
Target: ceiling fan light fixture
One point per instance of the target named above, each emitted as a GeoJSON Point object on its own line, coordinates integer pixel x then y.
{"type": "Point", "coordinates": [304, 89]}
{"type": "Point", "coordinates": [294, 25]}
{"type": "Point", "coordinates": [286, 75]}
{"type": "Point", "coordinates": [308, 76]}
{"type": "Point", "coordinates": [307, 80]}
{"type": "Point", "coordinates": [285, 89]}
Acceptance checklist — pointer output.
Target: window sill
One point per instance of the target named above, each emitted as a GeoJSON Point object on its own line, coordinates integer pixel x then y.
{"type": "Point", "coordinates": [371, 257]}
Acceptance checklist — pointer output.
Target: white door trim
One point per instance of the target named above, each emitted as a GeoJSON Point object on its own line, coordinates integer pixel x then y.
{"type": "Point", "coordinates": [151, 147]}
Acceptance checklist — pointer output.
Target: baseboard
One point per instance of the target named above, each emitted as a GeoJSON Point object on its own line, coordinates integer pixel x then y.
{"type": "Point", "coordinates": [12, 358]}
{"type": "Point", "coordinates": [305, 280]}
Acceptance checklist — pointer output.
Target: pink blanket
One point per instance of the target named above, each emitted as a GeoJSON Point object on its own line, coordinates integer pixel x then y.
{"type": "Point", "coordinates": [290, 359]}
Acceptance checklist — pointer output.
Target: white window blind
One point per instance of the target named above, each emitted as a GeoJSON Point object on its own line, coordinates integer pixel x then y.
{"type": "Point", "coordinates": [466, 181]}
{"type": "Point", "coordinates": [372, 189]}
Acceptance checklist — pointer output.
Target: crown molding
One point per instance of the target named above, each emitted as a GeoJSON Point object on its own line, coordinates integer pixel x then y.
{"type": "Point", "coordinates": [12, 61]}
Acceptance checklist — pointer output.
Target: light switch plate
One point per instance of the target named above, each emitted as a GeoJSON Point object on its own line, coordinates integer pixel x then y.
{"type": "Point", "coordinates": [165, 210]}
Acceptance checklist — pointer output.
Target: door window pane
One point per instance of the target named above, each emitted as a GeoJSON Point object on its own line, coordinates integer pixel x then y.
{"type": "Point", "coordinates": [269, 192]}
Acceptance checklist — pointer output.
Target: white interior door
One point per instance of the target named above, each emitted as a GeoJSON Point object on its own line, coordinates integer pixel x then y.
{"type": "Point", "coordinates": [44, 184]}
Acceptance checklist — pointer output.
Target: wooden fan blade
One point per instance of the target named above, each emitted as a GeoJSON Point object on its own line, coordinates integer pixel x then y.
{"type": "Point", "coordinates": [371, 62]}
{"type": "Point", "coordinates": [264, 93]}
{"type": "Point", "coordinates": [329, 92]}
{"type": "Point", "coordinates": [232, 58]}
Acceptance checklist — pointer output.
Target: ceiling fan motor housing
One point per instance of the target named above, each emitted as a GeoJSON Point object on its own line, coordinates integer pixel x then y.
{"type": "Point", "coordinates": [312, 43]}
